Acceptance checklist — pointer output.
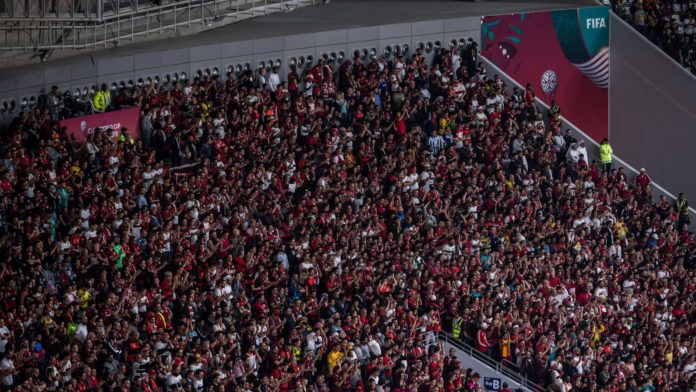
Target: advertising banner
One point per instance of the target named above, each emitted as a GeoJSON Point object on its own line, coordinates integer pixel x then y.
{"type": "Point", "coordinates": [492, 384]}
{"type": "Point", "coordinates": [85, 125]}
{"type": "Point", "coordinates": [563, 54]}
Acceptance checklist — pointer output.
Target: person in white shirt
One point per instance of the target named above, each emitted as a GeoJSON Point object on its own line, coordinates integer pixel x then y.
{"type": "Point", "coordinates": [274, 80]}
{"type": "Point", "coordinates": [173, 379]}
{"type": "Point", "coordinates": [8, 369]}
{"type": "Point", "coordinates": [582, 149]}
{"type": "Point", "coordinates": [4, 335]}
{"type": "Point", "coordinates": [399, 67]}
{"type": "Point", "coordinates": [410, 181]}
{"type": "Point", "coordinates": [573, 154]}
{"type": "Point", "coordinates": [557, 380]}
{"type": "Point", "coordinates": [558, 140]}
{"type": "Point", "coordinates": [691, 366]}
{"type": "Point", "coordinates": [81, 330]}
{"type": "Point", "coordinates": [262, 78]}
{"type": "Point", "coordinates": [456, 63]}
{"type": "Point", "coordinates": [481, 117]}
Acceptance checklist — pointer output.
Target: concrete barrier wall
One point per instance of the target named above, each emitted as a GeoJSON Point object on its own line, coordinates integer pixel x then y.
{"type": "Point", "coordinates": [93, 72]}
{"type": "Point", "coordinates": [652, 111]}
{"type": "Point", "coordinates": [652, 115]}
{"type": "Point", "coordinates": [593, 147]}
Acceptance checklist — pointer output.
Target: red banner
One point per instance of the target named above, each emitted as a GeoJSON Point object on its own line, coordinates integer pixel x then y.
{"type": "Point", "coordinates": [85, 125]}
{"type": "Point", "coordinates": [563, 54]}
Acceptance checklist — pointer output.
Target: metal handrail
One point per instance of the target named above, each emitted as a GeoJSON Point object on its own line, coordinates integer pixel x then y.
{"type": "Point", "coordinates": [91, 32]}
{"type": "Point", "coordinates": [118, 15]}
{"type": "Point", "coordinates": [498, 366]}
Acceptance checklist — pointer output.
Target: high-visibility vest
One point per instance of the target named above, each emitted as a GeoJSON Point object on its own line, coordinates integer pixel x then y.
{"type": "Point", "coordinates": [101, 100]}
{"type": "Point", "coordinates": [682, 206]}
{"type": "Point", "coordinates": [605, 152]}
{"type": "Point", "coordinates": [122, 138]}
{"type": "Point", "coordinates": [457, 327]}
{"type": "Point", "coordinates": [297, 353]}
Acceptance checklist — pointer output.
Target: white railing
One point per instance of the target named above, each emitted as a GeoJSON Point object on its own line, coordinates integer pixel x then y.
{"type": "Point", "coordinates": [119, 25]}
{"type": "Point", "coordinates": [506, 368]}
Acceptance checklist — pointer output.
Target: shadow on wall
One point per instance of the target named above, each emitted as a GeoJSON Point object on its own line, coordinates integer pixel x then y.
{"type": "Point", "coordinates": [652, 112]}
{"type": "Point", "coordinates": [592, 146]}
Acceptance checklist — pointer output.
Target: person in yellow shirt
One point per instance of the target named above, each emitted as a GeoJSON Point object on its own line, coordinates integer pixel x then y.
{"type": "Point", "coordinates": [76, 170]}
{"type": "Point", "coordinates": [335, 357]}
{"type": "Point", "coordinates": [668, 352]}
{"type": "Point", "coordinates": [505, 349]}
{"type": "Point", "coordinates": [205, 110]}
{"type": "Point", "coordinates": [47, 321]}
{"type": "Point", "coordinates": [83, 296]}
{"type": "Point", "coordinates": [597, 331]}
{"type": "Point", "coordinates": [444, 121]}
{"type": "Point", "coordinates": [621, 229]}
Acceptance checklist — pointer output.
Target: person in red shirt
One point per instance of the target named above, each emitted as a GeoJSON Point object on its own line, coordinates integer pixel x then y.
{"type": "Point", "coordinates": [506, 388]}
{"type": "Point", "coordinates": [482, 343]}
{"type": "Point", "coordinates": [643, 180]}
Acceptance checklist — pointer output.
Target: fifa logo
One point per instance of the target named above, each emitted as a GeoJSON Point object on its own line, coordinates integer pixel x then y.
{"type": "Point", "coordinates": [596, 23]}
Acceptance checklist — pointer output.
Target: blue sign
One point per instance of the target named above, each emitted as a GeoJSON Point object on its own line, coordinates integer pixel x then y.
{"type": "Point", "coordinates": [492, 384]}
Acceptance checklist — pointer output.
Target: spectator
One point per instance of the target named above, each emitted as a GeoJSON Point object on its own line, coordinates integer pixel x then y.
{"type": "Point", "coordinates": [584, 156]}
{"type": "Point", "coordinates": [318, 241]}
{"type": "Point", "coordinates": [668, 24]}
{"type": "Point", "coordinates": [274, 80]}
{"type": "Point", "coordinates": [146, 128]}
{"type": "Point", "coordinates": [639, 18]}
{"type": "Point", "coordinates": [643, 180]}
{"type": "Point", "coordinates": [54, 103]}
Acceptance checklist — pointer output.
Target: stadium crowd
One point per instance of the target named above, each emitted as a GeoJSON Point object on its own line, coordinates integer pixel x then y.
{"type": "Point", "coordinates": [308, 234]}
{"type": "Point", "coordinates": [670, 24]}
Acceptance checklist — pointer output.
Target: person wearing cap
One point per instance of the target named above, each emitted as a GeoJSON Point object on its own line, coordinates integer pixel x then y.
{"type": "Point", "coordinates": [482, 343]}
{"type": "Point", "coordinates": [643, 180]}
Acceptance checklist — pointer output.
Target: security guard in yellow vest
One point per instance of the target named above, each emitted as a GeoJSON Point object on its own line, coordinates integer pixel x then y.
{"type": "Point", "coordinates": [681, 206]}
{"type": "Point", "coordinates": [124, 137]}
{"type": "Point", "coordinates": [296, 353]}
{"type": "Point", "coordinates": [102, 99]}
{"type": "Point", "coordinates": [606, 155]}
{"type": "Point", "coordinates": [457, 327]}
